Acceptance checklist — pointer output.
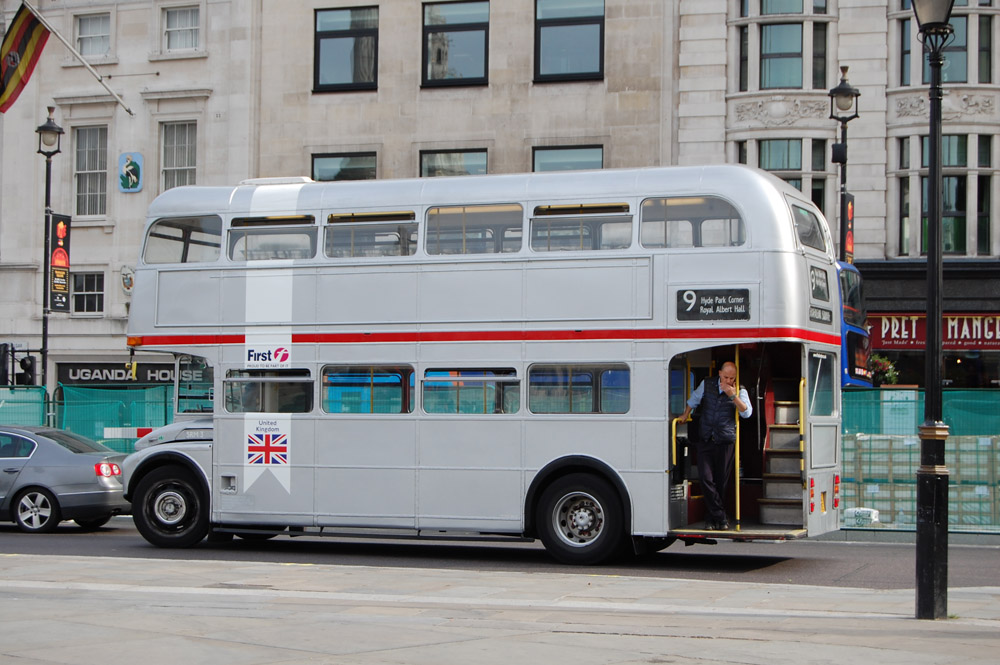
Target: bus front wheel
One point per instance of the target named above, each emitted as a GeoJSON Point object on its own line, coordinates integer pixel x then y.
{"type": "Point", "coordinates": [169, 508]}
{"type": "Point", "coordinates": [580, 520]}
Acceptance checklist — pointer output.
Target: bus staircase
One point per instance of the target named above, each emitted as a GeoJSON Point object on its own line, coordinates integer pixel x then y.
{"type": "Point", "coordinates": [784, 461]}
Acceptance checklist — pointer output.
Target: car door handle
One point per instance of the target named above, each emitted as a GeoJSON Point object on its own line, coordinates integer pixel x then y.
{"type": "Point", "coordinates": [11, 469]}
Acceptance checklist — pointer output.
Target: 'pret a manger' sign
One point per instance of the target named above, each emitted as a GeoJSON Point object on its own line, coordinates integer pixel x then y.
{"type": "Point", "coordinates": [958, 331]}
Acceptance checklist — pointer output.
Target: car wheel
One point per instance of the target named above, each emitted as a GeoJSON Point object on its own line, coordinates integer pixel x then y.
{"type": "Point", "coordinates": [36, 511]}
{"type": "Point", "coordinates": [580, 519]}
{"type": "Point", "coordinates": [170, 508]}
{"type": "Point", "coordinates": [92, 524]}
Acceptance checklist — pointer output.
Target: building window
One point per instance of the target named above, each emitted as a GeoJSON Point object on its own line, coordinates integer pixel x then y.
{"type": "Point", "coordinates": [456, 43]}
{"type": "Point", "coordinates": [983, 236]}
{"type": "Point", "coordinates": [568, 159]}
{"type": "Point", "coordinates": [179, 154]}
{"type": "Point", "coordinates": [968, 57]}
{"type": "Point", "coordinates": [985, 49]}
{"type": "Point", "coordinates": [792, 49]}
{"type": "Point", "coordinates": [904, 216]}
{"type": "Point", "coordinates": [781, 56]}
{"type": "Point", "coordinates": [88, 292]}
{"type": "Point", "coordinates": [344, 166]}
{"type": "Point", "coordinates": [181, 31]}
{"type": "Point", "coordinates": [953, 214]}
{"type": "Point", "coordinates": [818, 188]}
{"type": "Point", "coordinates": [966, 195]}
{"type": "Point", "coordinates": [91, 170]}
{"type": "Point", "coordinates": [744, 57]}
{"type": "Point", "coordinates": [780, 7]}
{"type": "Point", "coordinates": [781, 154]}
{"type": "Point", "coordinates": [985, 154]}
{"type": "Point", "coordinates": [93, 35]}
{"type": "Point", "coordinates": [819, 56]}
{"type": "Point", "coordinates": [956, 59]}
{"type": "Point", "coordinates": [346, 49]}
{"type": "Point", "coordinates": [452, 162]}
{"type": "Point", "coordinates": [569, 40]}
{"type": "Point", "coordinates": [905, 50]}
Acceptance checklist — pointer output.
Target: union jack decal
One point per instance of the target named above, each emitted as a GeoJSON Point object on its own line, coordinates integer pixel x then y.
{"type": "Point", "coordinates": [267, 449]}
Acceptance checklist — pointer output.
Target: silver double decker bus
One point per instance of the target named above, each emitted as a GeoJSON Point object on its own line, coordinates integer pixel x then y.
{"type": "Point", "coordinates": [501, 356]}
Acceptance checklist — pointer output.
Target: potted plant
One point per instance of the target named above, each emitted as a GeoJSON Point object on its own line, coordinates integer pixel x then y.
{"type": "Point", "coordinates": [883, 370]}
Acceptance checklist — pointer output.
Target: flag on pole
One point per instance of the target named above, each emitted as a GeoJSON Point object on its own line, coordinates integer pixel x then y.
{"type": "Point", "coordinates": [19, 53]}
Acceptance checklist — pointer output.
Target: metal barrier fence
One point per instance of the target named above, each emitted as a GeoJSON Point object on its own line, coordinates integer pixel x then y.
{"type": "Point", "coordinates": [881, 451]}
{"type": "Point", "coordinates": [24, 405]}
{"type": "Point", "coordinates": [882, 454]}
{"type": "Point", "coordinates": [115, 417]}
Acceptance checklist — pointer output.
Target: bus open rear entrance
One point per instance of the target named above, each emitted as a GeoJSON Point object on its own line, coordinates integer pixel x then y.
{"type": "Point", "coordinates": [786, 482]}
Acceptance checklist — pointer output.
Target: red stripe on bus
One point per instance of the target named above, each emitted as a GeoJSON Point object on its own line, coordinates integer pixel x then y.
{"type": "Point", "coordinates": [191, 340]}
{"type": "Point", "coordinates": [507, 336]}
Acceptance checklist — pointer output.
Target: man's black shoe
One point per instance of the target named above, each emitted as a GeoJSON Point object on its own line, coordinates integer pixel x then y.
{"type": "Point", "coordinates": [711, 526]}
{"type": "Point", "coordinates": [722, 526]}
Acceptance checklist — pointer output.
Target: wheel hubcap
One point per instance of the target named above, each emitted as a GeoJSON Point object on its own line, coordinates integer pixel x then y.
{"type": "Point", "coordinates": [578, 518]}
{"type": "Point", "coordinates": [170, 507]}
{"type": "Point", "coordinates": [34, 510]}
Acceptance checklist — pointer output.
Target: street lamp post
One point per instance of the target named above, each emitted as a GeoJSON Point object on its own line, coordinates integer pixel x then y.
{"type": "Point", "coordinates": [844, 98]}
{"type": "Point", "coordinates": [932, 476]}
{"type": "Point", "coordinates": [49, 140]}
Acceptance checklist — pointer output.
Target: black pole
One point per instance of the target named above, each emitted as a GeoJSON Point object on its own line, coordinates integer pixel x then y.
{"type": "Point", "coordinates": [843, 192]}
{"type": "Point", "coordinates": [45, 271]}
{"type": "Point", "coordinates": [932, 476]}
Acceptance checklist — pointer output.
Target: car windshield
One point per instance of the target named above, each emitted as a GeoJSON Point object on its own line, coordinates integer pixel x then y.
{"type": "Point", "coordinates": [76, 443]}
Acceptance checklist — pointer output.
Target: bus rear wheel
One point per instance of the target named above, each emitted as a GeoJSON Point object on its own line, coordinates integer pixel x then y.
{"type": "Point", "coordinates": [170, 509]}
{"type": "Point", "coordinates": [580, 520]}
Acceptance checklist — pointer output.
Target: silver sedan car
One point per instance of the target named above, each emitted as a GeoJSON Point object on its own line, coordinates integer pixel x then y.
{"type": "Point", "coordinates": [48, 475]}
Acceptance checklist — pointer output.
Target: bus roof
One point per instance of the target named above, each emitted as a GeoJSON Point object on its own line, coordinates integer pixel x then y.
{"type": "Point", "coordinates": [279, 195]}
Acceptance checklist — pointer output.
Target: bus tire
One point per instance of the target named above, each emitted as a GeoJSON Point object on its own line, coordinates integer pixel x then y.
{"type": "Point", "coordinates": [580, 520]}
{"type": "Point", "coordinates": [170, 508]}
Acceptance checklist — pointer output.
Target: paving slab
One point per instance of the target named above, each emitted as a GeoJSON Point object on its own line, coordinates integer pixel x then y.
{"type": "Point", "coordinates": [70, 610]}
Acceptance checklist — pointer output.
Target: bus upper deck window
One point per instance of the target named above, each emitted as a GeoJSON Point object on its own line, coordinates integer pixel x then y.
{"type": "Point", "coordinates": [371, 234]}
{"type": "Point", "coordinates": [184, 240]}
{"type": "Point", "coordinates": [581, 226]}
{"type": "Point", "coordinates": [690, 221]}
{"type": "Point", "coordinates": [264, 238]}
{"type": "Point", "coordinates": [483, 229]}
{"type": "Point", "coordinates": [808, 228]}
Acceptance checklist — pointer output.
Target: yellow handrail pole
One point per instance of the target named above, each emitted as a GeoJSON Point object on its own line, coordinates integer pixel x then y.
{"type": "Point", "coordinates": [673, 443]}
{"type": "Point", "coordinates": [802, 430]}
{"type": "Point", "coordinates": [736, 466]}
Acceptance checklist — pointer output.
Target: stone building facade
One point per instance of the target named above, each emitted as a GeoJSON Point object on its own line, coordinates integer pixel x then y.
{"type": "Point", "coordinates": [223, 90]}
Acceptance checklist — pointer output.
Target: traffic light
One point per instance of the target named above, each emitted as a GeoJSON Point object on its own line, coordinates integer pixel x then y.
{"type": "Point", "coordinates": [5, 358]}
{"type": "Point", "coordinates": [26, 377]}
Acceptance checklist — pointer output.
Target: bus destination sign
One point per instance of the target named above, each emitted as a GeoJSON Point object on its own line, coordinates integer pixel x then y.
{"type": "Point", "coordinates": [713, 305]}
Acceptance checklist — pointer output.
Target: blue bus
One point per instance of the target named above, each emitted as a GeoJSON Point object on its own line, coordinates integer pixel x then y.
{"type": "Point", "coordinates": [855, 344]}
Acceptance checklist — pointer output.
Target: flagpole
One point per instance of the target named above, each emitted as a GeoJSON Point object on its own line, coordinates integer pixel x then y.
{"type": "Point", "coordinates": [76, 54]}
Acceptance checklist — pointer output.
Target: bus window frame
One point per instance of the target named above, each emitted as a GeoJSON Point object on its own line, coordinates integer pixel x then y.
{"type": "Point", "coordinates": [499, 378]}
{"type": "Point", "coordinates": [272, 377]}
{"type": "Point", "coordinates": [185, 238]}
{"type": "Point", "coordinates": [695, 222]}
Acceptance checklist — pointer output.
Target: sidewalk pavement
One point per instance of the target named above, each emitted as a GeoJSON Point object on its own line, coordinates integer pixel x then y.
{"type": "Point", "coordinates": [119, 611]}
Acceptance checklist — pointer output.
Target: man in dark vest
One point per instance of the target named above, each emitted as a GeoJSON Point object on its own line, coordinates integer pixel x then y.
{"type": "Point", "coordinates": [715, 440]}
